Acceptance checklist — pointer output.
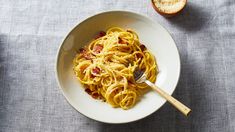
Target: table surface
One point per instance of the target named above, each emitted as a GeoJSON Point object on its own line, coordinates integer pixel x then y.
{"type": "Point", "coordinates": [32, 30]}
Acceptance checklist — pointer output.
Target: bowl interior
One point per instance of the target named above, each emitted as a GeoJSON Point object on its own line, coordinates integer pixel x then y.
{"type": "Point", "coordinates": [156, 39]}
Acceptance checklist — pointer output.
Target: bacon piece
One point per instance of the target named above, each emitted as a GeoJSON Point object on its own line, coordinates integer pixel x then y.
{"type": "Point", "coordinates": [101, 34]}
{"type": "Point", "coordinates": [87, 90]}
{"type": "Point", "coordinates": [84, 54]}
{"type": "Point", "coordinates": [98, 48]}
{"type": "Point", "coordinates": [82, 50]}
{"type": "Point", "coordinates": [87, 56]}
{"type": "Point", "coordinates": [142, 47]}
{"type": "Point", "coordinates": [95, 95]}
{"type": "Point", "coordinates": [126, 49]}
{"type": "Point", "coordinates": [120, 41]}
{"type": "Point", "coordinates": [138, 55]}
{"type": "Point", "coordinates": [92, 76]}
{"type": "Point", "coordinates": [82, 68]}
{"type": "Point", "coordinates": [96, 70]}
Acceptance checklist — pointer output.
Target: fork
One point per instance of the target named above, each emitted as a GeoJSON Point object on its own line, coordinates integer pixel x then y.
{"type": "Point", "coordinates": [140, 77]}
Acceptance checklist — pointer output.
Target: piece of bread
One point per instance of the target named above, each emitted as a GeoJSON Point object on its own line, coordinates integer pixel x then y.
{"type": "Point", "coordinates": [168, 8]}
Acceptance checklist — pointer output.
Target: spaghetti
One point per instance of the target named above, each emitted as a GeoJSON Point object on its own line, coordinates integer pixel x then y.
{"type": "Point", "coordinates": [105, 67]}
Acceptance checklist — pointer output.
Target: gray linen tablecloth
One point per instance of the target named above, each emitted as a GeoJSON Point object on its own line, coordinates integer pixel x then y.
{"type": "Point", "coordinates": [32, 30]}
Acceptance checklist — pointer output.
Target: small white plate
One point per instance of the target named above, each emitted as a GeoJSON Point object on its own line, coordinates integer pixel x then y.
{"type": "Point", "coordinates": [155, 38]}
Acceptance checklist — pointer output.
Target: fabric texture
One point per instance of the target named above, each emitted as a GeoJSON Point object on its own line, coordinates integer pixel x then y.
{"type": "Point", "coordinates": [32, 30]}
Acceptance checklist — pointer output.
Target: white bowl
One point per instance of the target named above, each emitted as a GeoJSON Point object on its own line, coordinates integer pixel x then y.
{"type": "Point", "coordinates": [151, 33]}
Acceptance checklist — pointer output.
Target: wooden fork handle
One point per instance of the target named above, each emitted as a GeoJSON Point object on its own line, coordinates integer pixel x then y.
{"type": "Point", "coordinates": [181, 107]}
